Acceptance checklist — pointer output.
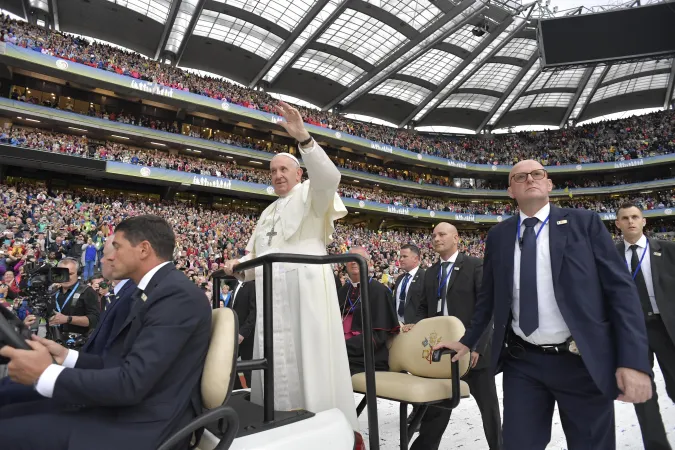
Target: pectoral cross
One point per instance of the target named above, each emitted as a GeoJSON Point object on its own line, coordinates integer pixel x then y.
{"type": "Point", "coordinates": [271, 234]}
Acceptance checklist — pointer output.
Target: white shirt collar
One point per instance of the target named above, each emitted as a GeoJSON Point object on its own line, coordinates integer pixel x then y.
{"type": "Point", "coordinates": [452, 259]}
{"type": "Point", "coordinates": [642, 243]}
{"type": "Point", "coordinates": [542, 214]}
{"type": "Point", "coordinates": [119, 286]}
{"type": "Point", "coordinates": [151, 273]}
{"type": "Point", "coordinates": [413, 272]}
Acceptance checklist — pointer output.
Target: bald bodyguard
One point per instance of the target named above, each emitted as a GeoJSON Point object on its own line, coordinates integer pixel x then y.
{"type": "Point", "coordinates": [568, 327]}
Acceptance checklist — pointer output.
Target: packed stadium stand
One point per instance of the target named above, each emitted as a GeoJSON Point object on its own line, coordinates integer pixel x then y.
{"type": "Point", "coordinates": [113, 109]}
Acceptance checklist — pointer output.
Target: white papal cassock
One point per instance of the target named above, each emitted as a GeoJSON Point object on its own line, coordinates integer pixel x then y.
{"type": "Point", "coordinates": [311, 370]}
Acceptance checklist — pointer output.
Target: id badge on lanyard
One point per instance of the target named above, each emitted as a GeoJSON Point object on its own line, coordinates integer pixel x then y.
{"type": "Point", "coordinates": [60, 308]}
{"type": "Point", "coordinates": [441, 286]}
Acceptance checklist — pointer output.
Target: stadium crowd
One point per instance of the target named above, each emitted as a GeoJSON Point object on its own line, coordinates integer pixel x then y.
{"type": "Point", "coordinates": [620, 140]}
{"type": "Point", "coordinates": [112, 151]}
{"type": "Point", "coordinates": [39, 225]}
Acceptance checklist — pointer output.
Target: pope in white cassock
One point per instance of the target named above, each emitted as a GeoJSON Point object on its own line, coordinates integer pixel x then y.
{"type": "Point", "coordinates": [311, 370]}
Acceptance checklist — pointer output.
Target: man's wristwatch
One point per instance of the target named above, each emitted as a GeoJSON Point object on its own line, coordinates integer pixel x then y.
{"type": "Point", "coordinates": [306, 142]}
{"type": "Point", "coordinates": [70, 319]}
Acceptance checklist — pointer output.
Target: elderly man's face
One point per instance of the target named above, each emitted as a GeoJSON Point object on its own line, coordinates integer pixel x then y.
{"type": "Point", "coordinates": [285, 174]}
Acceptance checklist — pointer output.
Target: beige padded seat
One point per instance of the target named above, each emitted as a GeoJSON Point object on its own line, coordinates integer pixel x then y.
{"type": "Point", "coordinates": [408, 388]}
{"type": "Point", "coordinates": [217, 380]}
{"type": "Point", "coordinates": [221, 359]}
{"type": "Point", "coordinates": [413, 378]}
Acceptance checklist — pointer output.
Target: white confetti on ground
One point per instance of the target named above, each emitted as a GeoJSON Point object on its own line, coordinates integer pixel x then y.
{"type": "Point", "coordinates": [465, 431]}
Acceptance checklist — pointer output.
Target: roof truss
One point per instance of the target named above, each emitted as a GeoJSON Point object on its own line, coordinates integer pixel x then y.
{"type": "Point", "coordinates": [671, 84]}
{"type": "Point", "coordinates": [499, 114]}
{"type": "Point", "coordinates": [306, 37]}
{"type": "Point", "coordinates": [457, 71]}
{"type": "Point", "coordinates": [509, 90]}
{"type": "Point", "coordinates": [396, 60]}
{"type": "Point", "coordinates": [168, 26]}
{"type": "Point", "coordinates": [295, 34]}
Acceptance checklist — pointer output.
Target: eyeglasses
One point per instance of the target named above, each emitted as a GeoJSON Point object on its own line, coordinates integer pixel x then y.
{"type": "Point", "coordinates": [521, 177]}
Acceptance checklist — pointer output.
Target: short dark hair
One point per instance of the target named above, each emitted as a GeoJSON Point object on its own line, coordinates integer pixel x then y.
{"type": "Point", "coordinates": [153, 229]}
{"type": "Point", "coordinates": [413, 249]}
{"type": "Point", "coordinates": [627, 205]}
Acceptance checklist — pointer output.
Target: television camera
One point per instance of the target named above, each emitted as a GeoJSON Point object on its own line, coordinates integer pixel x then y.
{"type": "Point", "coordinates": [35, 290]}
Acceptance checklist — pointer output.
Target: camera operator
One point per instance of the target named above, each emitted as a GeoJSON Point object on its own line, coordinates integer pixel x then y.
{"type": "Point", "coordinates": [76, 307]}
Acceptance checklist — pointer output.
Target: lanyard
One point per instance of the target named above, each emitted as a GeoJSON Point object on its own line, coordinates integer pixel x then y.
{"type": "Point", "coordinates": [442, 283]}
{"type": "Point", "coordinates": [538, 232]}
{"type": "Point", "coordinates": [59, 308]}
{"type": "Point", "coordinates": [352, 306]}
{"type": "Point", "coordinates": [637, 269]}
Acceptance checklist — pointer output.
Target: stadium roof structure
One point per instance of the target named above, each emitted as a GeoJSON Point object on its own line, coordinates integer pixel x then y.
{"type": "Point", "coordinates": [471, 64]}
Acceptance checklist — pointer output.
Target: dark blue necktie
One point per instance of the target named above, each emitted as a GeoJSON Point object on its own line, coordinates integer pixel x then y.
{"type": "Point", "coordinates": [529, 306]}
{"type": "Point", "coordinates": [401, 295]}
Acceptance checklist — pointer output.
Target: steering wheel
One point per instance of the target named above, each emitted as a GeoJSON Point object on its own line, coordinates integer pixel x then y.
{"type": "Point", "coordinates": [13, 332]}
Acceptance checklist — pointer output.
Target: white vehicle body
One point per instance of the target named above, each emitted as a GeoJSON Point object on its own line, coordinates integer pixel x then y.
{"type": "Point", "coordinates": [328, 430]}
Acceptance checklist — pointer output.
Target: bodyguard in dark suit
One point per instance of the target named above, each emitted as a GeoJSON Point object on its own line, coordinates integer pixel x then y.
{"type": "Point", "coordinates": [652, 266]}
{"type": "Point", "coordinates": [243, 304]}
{"type": "Point", "coordinates": [451, 287]}
{"type": "Point", "coordinates": [409, 287]}
{"type": "Point", "coordinates": [147, 386]}
{"type": "Point", "coordinates": [568, 316]}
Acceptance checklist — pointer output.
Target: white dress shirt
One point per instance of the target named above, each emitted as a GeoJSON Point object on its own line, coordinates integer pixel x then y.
{"type": "Point", "coordinates": [118, 287]}
{"type": "Point", "coordinates": [645, 267]}
{"type": "Point", "coordinates": [45, 384]}
{"type": "Point", "coordinates": [552, 327]}
{"type": "Point", "coordinates": [412, 274]}
{"type": "Point", "coordinates": [443, 304]}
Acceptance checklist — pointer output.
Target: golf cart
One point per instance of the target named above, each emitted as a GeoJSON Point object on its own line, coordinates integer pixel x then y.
{"type": "Point", "coordinates": [411, 380]}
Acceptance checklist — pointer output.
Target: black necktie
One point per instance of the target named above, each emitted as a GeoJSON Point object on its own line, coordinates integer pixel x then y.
{"type": "Point", "coordinates": [529, 304]}
{"type": "Point", "coordinates": [640, 280]}
{"type": "Point", "coordinates": [401, 295]}
{"type": "Point", "coordinates": [444, 283]}
{"type": "Point", "coordinates": [136, 300]}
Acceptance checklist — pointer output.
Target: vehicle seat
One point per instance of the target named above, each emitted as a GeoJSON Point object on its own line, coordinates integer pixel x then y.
{"type": "Point", "coordinates": [217, 382]}
{"type": "Point", "coordinates": [413, 378]}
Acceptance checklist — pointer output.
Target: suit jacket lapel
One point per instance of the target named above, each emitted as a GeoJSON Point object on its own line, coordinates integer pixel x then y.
{"type": "Point", "coordinates": [557, 236]}
{"type": "Point", "coordinates": [108, 311]}
{"type": "Point", "coordinates": [456, 268]}
{"type": "Point", "coordinates": [139, 302]}
{"type": "Point", "coordinates": [415, 279]}
{"type": "Point", "coordinates": [657, 267]}
{"type": "Point", "coordinates": [509, 242]}
{"type": "Point", "coordinates": [621, 247]}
